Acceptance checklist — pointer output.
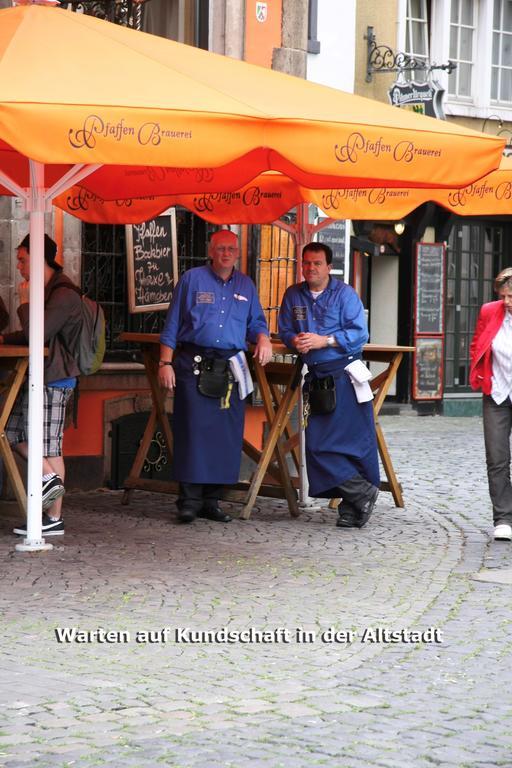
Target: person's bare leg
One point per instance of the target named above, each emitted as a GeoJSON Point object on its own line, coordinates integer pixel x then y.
{"type": "Point", "coordinates": [56, 464]}
{"type": "Point", "coordinates": [22, 450]}
{"type": "Point", "coordinates": [50, 464]}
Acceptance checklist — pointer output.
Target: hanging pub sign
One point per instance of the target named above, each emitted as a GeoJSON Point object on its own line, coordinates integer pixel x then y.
{"type": "Point", "coordinates": [425, 98]}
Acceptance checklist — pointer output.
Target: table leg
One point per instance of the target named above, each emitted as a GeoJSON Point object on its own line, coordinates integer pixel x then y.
{"type": "Point", "coordinates": [157, 415]}
{"type": "Point", "coordinates": [380, 386]}
{"type": "Point", "coordinates": [278, 421]}
{"type": "Point", "coordinates": [6, 453]}
{"type": "Point", "coordinates": [255, 454]}
{"type": "Point", "coordinates": [292, 443]}
{"type": "Point", "coordinates": [13, 473]}
{"type": "Point", "coordinates": [158, 397]}
{"type": "Point", "coordinates": [140, 455]}
{"type": "Point", "coordinates": [385, 380]}
{"type": "Point", "coordinates": [394, 485]}
{"type": "Point", "coordinates": [388, 379]}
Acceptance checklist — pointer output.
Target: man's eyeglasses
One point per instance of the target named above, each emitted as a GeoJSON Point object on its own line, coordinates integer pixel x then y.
{"type": "Point", "coordinates": [231, 249]}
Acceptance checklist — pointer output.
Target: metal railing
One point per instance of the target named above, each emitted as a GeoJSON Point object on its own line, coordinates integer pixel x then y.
{"type": "Point", "coordinates": [129, 13]}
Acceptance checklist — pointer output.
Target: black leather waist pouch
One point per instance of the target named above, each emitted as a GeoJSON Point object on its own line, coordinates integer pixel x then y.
{"type": "Point", "coordinates": [213, 379]}
{"type": "Point", "coordinates": [322, 396]}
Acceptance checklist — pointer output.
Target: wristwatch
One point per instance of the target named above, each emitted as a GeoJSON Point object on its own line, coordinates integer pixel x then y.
{"type": "Point", "coordinates": [161, 363]}
{"type": "Point", "coordinates": [331, 341]}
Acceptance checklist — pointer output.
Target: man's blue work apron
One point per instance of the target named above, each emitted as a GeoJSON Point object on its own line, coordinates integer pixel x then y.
{"type": "Point", "coordinates": [341, 444]}
{"type": "Point", "coordinates": [207, 438]}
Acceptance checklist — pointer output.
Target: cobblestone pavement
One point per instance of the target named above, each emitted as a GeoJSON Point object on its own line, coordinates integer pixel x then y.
{"type": "Point", "coordinates": [303, 699]}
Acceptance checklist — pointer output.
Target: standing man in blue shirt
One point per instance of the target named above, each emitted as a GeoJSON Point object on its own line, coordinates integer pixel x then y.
{"type": "Point", "coordinates": [323, 319]}
{"type": "Point", "coordinates": [214, 311]}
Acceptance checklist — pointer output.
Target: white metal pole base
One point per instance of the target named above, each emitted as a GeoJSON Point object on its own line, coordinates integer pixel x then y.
{"type": "Point", "coordinates": [33, 545]}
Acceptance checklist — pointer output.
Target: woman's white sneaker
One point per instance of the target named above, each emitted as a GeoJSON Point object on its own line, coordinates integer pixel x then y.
{"type": "Point", "coordinates": [502, 532]}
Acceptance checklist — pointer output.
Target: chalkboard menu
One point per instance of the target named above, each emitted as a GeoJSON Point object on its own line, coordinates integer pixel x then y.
{"type": "Point", "coordinates": [430, 260]}
{"type": "Point", "coordinates": [428, 368]}
{"type": "Point", "coordinates": [151, 249]}
{"type": "Point", "coordinates": [335, 235]}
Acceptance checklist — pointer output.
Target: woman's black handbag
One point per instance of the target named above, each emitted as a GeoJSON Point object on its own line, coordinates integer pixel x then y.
{"type": "Point", "coordinates": [322, 396]}
{"type": "Point", "coordinates": [213, 379]}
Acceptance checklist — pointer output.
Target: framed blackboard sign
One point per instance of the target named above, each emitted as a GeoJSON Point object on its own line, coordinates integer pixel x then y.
{"type": "Point", "coordinates": [428, 368]}
{"type": "Point", "coordinates": [335, 236]}
{"type": "Point", "coordinates": [430, 282]}
{"type": "Point", "coordinates": [152, 252]}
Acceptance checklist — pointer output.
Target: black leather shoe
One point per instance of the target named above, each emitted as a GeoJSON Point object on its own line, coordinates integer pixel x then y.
{"type": "Point", "coordinates": [186, 515]}
{"type": "Point", "coordinates": [367, 509]}
{"type": "Point", "coordinates": [216, 514]}
{"type": "Point", "coordinates": [347, 516]}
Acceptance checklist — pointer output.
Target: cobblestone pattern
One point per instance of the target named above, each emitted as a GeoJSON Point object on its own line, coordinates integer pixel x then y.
{"type": "Point", "coordinates": [293, 704]}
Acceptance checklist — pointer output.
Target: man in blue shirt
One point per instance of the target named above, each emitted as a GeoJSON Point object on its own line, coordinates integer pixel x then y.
{"type": "Point", "coordinates": [214, 311]}
{"type": "Point", "coordinates": [323, 320]}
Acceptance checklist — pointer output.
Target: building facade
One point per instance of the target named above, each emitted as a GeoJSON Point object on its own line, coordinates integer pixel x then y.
{"type": "Point", "coordinates": [476, 35]}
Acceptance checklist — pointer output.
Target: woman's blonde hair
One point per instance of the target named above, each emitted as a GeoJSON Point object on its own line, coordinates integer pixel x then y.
{"type": "Point", "coordinates": [503, 280]}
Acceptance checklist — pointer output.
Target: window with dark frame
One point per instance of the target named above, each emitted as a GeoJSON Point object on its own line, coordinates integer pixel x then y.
{"type": "Point", "coordinates": [501, 70]}
{"type": "Point", "coordinates": [313, 42]}
{"type": "Point", "coordinates": [476, 252]}
{"type": "Point", "coordinates": [272, 264]}
{"type": "Point", "coordinates": [104, 276]}
{"type": "Point", "coordinates": [417, 35]}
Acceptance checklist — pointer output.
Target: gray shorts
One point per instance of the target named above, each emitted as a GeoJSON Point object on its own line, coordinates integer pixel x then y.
{"type": "Point", "coordinates": [55, 401]}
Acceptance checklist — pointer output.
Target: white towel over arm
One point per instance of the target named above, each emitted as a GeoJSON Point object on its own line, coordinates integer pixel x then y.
{"type": "Point", "coordinates": [360, 376]}
{"type": "Point", "coordinates": [241, 373]}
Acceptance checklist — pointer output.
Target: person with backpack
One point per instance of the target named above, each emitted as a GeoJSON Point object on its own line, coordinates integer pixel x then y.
{"type": "Point", "coordinates": [62, 331]}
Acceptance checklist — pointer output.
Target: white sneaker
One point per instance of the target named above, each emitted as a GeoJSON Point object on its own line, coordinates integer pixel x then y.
{"type": "Point", "coordinates": [502, 532]}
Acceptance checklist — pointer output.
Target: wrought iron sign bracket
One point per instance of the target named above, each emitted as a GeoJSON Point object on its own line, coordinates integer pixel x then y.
{"type": "Point", "coordinates": [382, 58]}
{"type": "Point", "coordinates": [126, 12]}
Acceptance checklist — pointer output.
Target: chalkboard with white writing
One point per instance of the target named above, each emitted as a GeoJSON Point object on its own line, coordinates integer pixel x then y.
{"type": "Point", "coordinates": [430, 260]}
{"type": "Point", "coordinates": [151, 249]}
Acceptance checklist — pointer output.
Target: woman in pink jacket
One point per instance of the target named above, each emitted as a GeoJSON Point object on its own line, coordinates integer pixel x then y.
{"type": "Point", "coordinates": [491, 371]}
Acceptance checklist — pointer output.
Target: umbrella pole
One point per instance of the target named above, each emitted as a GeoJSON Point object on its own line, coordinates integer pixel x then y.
{"type": "Point", "coordinates": [37, 205]}
{"type": "Point", "coordinates": [303, 235]}
{"type": "Point", "coordinates": [38, 200]}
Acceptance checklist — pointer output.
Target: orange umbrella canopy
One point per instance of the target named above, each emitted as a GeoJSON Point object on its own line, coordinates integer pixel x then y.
{"type": "Point", "coordinates": [490, 196]}
{"type": "Point", "coordinates": [75, 89]}
{"type": "Point", "coordinates": [271, 195]}
{"type": "Point", "coordinates": [262, 200]}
